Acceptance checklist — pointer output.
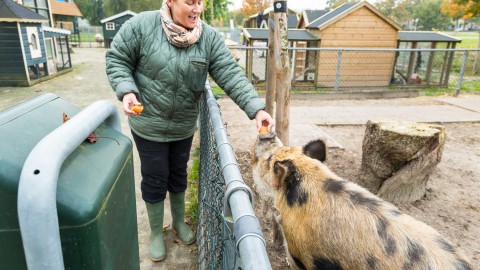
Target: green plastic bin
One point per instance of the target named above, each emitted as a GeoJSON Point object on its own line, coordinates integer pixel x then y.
{"type": "Point", "coordinates": [95, 190]}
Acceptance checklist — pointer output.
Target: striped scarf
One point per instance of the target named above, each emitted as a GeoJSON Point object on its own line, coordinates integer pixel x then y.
{"type": "Point", "coordinates": [176, 34]}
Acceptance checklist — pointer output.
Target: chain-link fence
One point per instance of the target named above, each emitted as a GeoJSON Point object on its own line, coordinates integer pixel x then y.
{"type": "Point", "coordinates": [228, 233]}
{"type": "Point", "coordinates": [368, 69]}
{"type": "Point", "coordinates": [87, 37]}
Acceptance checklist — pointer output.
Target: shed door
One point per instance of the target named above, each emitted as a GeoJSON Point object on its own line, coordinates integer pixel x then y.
{"type": "Point", "coordinates": [52, 68]}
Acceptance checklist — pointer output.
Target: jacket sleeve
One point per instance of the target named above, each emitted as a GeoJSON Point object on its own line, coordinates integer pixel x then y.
{"type": "Point", "coordinates": [122, 58]}
{"type": "Point", "coordinates": [227, 73]}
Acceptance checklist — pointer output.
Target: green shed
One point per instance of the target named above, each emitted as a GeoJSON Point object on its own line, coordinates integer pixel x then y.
{"type": "Point", "coordinates": [23, 55]}
{"type": "Point", "coordinates": [30, 51]}
{"type": "Point", "coordinates": [112, 25]}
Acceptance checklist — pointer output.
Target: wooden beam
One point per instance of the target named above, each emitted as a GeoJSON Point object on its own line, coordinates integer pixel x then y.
{"type": "Point", "coordinates": [449, 64]}
{"type": "Point", "coordinates": [430, 63]}
{"type": "Point", "coordinates": [270, 95]}
{"type": "Point", "coordinates": [249, 62]}
{"type": "Point", "coordinates": [282, 71]}
{"type": "Point", "coordinates": [411, 62]}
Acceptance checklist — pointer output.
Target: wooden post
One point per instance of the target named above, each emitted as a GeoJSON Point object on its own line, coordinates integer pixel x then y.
{"type": "Point", "coordinates": [449, 64]}
{"type": "Point", "coordinates": [249, 64]}
{"type": "Point", "coordinates": [430, 63]}
{"type": "Point", "coordinates": [270, 95]}
{"type": "Point", "coordinates": [282, 71]}
{"type": "Point", "coordinates": [444, 65]}
{"type": "Point", "coordinates": [411, 62]}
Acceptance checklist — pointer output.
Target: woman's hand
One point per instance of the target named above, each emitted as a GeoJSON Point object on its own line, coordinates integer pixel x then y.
{"type": "Point", "coordinates": [263, 116]}
{"type": "Point", "coordinates": [128, 101]}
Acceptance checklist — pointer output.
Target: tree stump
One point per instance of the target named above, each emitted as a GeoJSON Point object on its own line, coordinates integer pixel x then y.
{"type": "Point", "coordinates": [398, 158]}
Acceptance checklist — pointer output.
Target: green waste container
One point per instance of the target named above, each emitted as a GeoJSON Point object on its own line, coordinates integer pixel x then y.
{"type": "Point", "coordinates": [95, 190]}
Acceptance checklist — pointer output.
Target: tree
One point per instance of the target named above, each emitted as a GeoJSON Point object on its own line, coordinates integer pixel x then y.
{"type": "Point", "coordinates": [237, 17]}
{"type": "Point", "coordinates": [455, 11]}
{"type": "Point", "coordinates": [429, 15]}
{"type": "Point", "coordinates": [220, 10]}
{"type": "Point", "coordinates": [85, 7]}
{"type": "Point", "coordinates": [332, 4]}
{"type": "Point", "coordinates": [251, 7]}
{"type": "Point", "coordinates": [144, 5]}
{"type": "Point", "coordinates": [472, 6]}
{"type": "Point", "coordinates": [97, 12]}
{"type": "Point", "coordinates": [113, 7]}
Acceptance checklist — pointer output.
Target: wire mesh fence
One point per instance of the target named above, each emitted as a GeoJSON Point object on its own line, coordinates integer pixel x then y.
{"type": "Point", "coordinates": [87, 36]}
{"type": "Point", "coordinates": [228, 233]}
{"type": "Point", "coordinates": [368, 69]}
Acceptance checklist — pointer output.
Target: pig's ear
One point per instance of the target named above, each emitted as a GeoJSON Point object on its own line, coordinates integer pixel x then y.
{"type": "Point", "coordinates": [281, 171]}
{"type": "Point", "coordinates": [316, 149]}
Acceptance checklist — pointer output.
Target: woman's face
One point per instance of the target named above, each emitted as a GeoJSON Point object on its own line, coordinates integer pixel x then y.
{"type": "Point", "coordinates": [186, 12]}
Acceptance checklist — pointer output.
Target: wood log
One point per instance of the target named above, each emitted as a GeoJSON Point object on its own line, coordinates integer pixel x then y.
{"type": "Point", "coordinates": [398, 158]}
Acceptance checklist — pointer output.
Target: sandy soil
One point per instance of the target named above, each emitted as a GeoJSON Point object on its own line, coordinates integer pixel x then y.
{"type": "Point", "coordinates": [451, 204]}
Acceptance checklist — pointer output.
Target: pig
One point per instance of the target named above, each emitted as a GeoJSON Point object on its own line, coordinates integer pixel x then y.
{"type": "Point", "coordinates": [332, 223]}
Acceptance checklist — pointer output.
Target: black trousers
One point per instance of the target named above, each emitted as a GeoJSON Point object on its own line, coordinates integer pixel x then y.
{"type": "Point", "coordinates": [163, 166]}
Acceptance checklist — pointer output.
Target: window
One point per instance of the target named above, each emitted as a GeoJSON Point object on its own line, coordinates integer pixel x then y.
{"type": "Point", "coordinates": [34, 42]}
{"type": "Point", "coordinates": [110, 26]}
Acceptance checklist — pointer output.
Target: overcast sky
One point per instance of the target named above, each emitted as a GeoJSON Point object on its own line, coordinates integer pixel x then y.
{"type": "Point", "coordinates": [294, 4]}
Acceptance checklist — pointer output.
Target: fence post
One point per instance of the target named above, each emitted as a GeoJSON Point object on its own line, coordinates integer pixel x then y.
{"type": "Point", "coordinates": [462, 71]}
{"type": "Point", "coordinates": [88, 38]}
{"type": "Point", "coordinates": [337, 75]}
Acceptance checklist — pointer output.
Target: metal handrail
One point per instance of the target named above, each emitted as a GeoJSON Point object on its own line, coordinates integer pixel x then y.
{"type": "Point", "coordinates": [37, 189]}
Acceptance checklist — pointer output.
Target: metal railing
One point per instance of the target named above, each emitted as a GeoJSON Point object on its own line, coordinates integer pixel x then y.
{"type": "Point", "coordinates": [345, 69]}
{"type": "Point", "coordinates": [228, 233]}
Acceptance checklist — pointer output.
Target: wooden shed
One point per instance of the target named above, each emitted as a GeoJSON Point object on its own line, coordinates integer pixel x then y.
{"type": "Point", "coordinates": [112, 25]}
{"type": "Point", "coordinates": [23, 56]}
{"type": "Point", "coordinates": [354, 25]}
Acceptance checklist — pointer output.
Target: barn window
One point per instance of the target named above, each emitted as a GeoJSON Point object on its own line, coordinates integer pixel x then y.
{"type": "Point", "coordinates": [34, 42]}
{"type": "Point", "coordinates": [110, 26]}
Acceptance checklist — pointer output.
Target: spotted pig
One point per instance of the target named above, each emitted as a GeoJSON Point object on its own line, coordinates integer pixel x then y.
{"type": "Point", "coordinates": [332, 223]}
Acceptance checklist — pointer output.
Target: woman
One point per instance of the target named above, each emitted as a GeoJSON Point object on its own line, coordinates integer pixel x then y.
{"type": "Point", "coordinates": [161, 59]}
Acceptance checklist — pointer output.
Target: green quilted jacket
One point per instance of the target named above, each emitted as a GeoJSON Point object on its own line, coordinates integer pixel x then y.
{"type": "Point", "coordinates": [169, 80]}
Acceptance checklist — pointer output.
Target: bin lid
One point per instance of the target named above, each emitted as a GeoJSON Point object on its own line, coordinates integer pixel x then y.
{"type": "Point", "coordinates": [86, 176]}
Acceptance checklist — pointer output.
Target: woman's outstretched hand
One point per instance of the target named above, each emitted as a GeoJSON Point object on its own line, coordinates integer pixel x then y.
{"type": "Point", "coordinates": [261, 118]}
{"type": "Point", "coordinates": [129, 100]}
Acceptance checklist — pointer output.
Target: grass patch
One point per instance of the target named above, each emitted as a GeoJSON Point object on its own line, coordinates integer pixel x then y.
{"type": "Point", "coordinates": [191, 205]}
{"type": "Point", "coordinates": [217, 90]}
{"type": "Point", "coordinates": [469, 39]}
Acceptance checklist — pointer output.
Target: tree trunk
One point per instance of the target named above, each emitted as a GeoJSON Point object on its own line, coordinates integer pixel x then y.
{"type": "Point", "coordinates": [398, 158]}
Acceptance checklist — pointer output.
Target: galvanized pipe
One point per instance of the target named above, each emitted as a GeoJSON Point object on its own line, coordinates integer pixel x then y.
{"type": "Point", "coordinates": [37, 189]}
{"type": "Point", "coordinates": [239, 199]}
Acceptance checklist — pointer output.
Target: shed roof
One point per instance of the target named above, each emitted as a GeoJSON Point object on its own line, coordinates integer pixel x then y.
{"type": "Point", "coordinates": [311, 15]}
{"type": "Point", "coordinates": [292, 34]}
{"type": "Point", "coordinates": [13, 12]}
{"type": "Point", "coordinates": [346, 9]}
{"type": "Point", "coordinates": [116, 16]}
{"type": "Point", "coordinates": [425, 36]}
{"type": "Point", "coordinates": [65, 8]}
{"type": "Point", "coordinates": [292, 20]}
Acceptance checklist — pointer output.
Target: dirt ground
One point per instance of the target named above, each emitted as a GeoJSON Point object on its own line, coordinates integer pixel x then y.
{"type": "Point", "coordinates": [451, 204]}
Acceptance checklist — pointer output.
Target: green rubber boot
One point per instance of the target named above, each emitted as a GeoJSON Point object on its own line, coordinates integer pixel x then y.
{"type": "Point", "coordinates": [155, 217]}
{"type": "Point", "coordinates": [177, 206]}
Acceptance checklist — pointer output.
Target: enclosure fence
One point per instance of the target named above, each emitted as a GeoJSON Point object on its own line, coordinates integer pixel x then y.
{"type": "Point", "coordinates": [228, 233]}
{"type": "Point", "coordinates": [86, 37]}
{"type": "Point", "coordinates": [337, 69]}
